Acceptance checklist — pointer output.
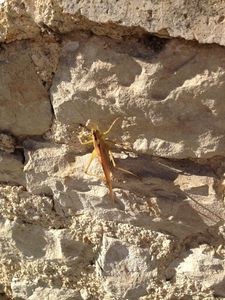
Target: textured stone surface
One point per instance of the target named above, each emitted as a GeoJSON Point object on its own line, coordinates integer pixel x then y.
{"type": "Point", "coordinates": [45, 54]}
{"type": "Point", "coordinates": [25, 107]}
{"type": "Point", "coordinates": [100, 259]}
{"type": "Point", "coordinates": [29, 264]}
{"type": "Point", "coordinates": [204, 267]}
{"type": "Point", "coordinates": [7, 143]}
{"type": "Point", "coordinates": [15, 22]}
{"type": "Point", "coordinates": [135, 264]}
{"type": "Point", "coordinates": [171, 102]}
{"type": "Point", "coordinates": [64, 63]}
{"type": "Point", "coordinates": [202, 21]}
{"type": "Point", "coordinates": [11, 168]}
{"type": "Point", "coordinates": [49, 293]}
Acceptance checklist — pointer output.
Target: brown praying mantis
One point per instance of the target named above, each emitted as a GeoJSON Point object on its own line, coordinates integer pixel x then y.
{"type": "Point", "coordinates": [102, 152]}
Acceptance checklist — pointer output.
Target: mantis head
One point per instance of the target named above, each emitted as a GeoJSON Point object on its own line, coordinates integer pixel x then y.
{"type": "Point", "coordinates": [90, 124]}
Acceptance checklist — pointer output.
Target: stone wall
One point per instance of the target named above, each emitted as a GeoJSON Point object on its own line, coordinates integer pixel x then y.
{"type": "Point", "coordinates": [160, 67]}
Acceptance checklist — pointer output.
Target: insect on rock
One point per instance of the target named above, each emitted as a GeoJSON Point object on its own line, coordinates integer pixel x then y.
{"type": "Point", "coordinates": [102, 151]}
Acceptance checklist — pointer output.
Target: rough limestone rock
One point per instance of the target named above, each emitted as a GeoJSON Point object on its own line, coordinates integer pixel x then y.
{"type": "Point", "coordinates": [201, 266]}
{"type": "Point", "coordinates": [15, 22]}
{"type": "Point", "coordinates": [7, 143]}
{"type": "Point", "coordinates": [25, 107]}
{"type": "Point", "coordinates": [11, 168]}
{"type": "Point", "coordinates": [202, 20]}
{"type": "Point", "coordinates": [49, 293]}
{"type": "Point", "coordinates": [175, 95]}
{"type": "Point", "coordinates": [67, 67]}
{"type": "Point", "coordinates": [134, 264]}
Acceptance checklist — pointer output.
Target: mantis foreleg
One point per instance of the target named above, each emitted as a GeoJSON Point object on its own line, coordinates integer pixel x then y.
{"type": "Point", "coordinates": [93, 155]}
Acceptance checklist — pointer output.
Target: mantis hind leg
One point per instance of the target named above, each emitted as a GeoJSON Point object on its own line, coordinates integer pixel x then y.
{"type": "Point", "coordinates": [116, 167]}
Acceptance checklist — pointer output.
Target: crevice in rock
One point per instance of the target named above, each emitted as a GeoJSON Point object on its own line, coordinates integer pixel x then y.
{"type": "Point", "coordinates": [19, 152]}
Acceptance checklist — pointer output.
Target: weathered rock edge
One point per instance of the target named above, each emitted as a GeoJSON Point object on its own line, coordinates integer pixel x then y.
{"type": "Point", "coordinates": [202, 21]}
